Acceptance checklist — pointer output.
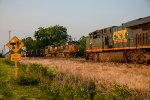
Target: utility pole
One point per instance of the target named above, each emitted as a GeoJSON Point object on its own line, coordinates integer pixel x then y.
{"type": "Point", "coordinates": [9, 35]}
{"type": "Point", "coordinates": [4, 49]}
{"type": "Point", "coordinates": [9, 40]}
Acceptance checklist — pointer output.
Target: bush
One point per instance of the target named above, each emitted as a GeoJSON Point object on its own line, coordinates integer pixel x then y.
{"type": "Point", "coordinates": [22, 80]}
{"type": "Point", "coordinates": [86, 90]}
{"type": "Point", "coordinates": [8, 62]}
{"type": "Point", "coordinates": [1, 56]}
{"type": "Point", "coordinates": [119, 92]}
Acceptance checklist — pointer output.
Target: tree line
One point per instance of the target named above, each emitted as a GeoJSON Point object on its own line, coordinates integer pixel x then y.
{"type": "Point", "coordinates": [51, 36]}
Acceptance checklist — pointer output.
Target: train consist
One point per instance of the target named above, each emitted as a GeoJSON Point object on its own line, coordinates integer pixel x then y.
{"type": "Point", "coordinates": [70, 49]}
{"type": "Point", "coordinates": [129, 42]}
{"type": "Point", "coordinates": [35, 53]}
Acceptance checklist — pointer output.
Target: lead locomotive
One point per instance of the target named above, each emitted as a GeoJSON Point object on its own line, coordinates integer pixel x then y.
{"type": "Point", "coordinates": [129, 42]}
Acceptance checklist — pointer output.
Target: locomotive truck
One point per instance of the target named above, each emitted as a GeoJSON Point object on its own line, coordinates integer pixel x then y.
{"type": "Point", "coordinates": [128, 42]}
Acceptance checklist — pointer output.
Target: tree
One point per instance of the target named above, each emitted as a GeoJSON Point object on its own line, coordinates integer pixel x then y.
{"type": "Point", "coordinates": [51, 35]}
{"type": "Point", "coordinates": [29, 43]}
{"type": "Point", "coordinates": [1, 55]}
{"type": "Point", "coordinates": [82, 46]}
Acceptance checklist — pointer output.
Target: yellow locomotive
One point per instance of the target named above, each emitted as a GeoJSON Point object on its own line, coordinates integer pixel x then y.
{"type": "Point", "coordinates": [70, 49]}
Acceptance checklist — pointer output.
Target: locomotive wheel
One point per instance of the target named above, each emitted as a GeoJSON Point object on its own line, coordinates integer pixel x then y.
{"type": "Point", "coordinates": [90, 56]}
{"type": "Point", "coordinates": [95, 57]}
{"type": "Point", "coordinates": [67, 55]}
{"type": "Point", "coordinates": [143, 59]}
{"type": "Point", "coordinates": [134, 60]}
{"type": "Point", "coordinates": [87, 56]}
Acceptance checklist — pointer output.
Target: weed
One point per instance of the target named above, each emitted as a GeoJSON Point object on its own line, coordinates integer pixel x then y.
{"type": "Point", "coordinates": [61, 86]}
{"type": "Point", "coordinates": [1, 56]}
{"type": "Point", "coordinates": [8, 62]}
{"type": "Point", "coordinates": [22, 80]}
{"type": "Point", "coordinates": [5, 89]}
{"type": "Point", "coordinates": [119, 92]}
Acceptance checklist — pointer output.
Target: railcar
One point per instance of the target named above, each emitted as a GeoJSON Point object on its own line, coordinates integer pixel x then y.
{"type": "Point", "coordinates": [70, 49]}
{"type": "Point", "coordinates": [35, 53]}
{"type": "Point", "coordinates": [128, 42]}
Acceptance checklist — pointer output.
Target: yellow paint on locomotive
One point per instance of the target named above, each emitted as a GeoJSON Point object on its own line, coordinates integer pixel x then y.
{"type": "Point", "coordinates": [73, 48]}
{"type": "Point", "coordinates": [120, 36]}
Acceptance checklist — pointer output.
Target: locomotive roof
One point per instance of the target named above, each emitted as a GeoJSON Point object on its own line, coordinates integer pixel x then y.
{"type": "Point", "coordinates": [73, 42]}
{"type": "Point", "coordinates": [102, 29]}
{"type": "Point", "coordinates": [69, 42]}
{"type": "Point", "coordinates": [137, 21]}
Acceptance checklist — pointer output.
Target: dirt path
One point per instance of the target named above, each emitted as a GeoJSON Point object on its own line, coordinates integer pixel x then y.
{"type": "Point", "coordinates": [136, 76]}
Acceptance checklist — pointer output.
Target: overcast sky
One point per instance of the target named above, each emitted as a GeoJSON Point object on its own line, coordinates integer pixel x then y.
{"type": "Point", "coordinates": [80, 17]}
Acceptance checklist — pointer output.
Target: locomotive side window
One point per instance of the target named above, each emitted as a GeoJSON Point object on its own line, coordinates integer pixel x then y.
{"type": "Point", "coordinates": [106, 41]}
{"type": "Point", "coordinates": [98, 34]}
{"type": "Point", "coordinates": [91, 36]}
{"type": "Point", "coordinates": [105, 30]}
{"type": "Point", "coordinates": [102, 31]}
{"type": "Point", "coordinates": [95, 35]}
{"type": "Point", "coordinates": [110, 30]}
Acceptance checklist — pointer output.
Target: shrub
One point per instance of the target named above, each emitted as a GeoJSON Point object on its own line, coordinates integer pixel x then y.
{"type": "Point", "coordinates": [119, 92]}
{"type": "Point", "coordinates": [86, 90]}
{"type": "Point", "coordinates": [22, 80]}
{"type": "Point", "coordinates": [8, 62]}
{"type": "Point", "coordinates": [1, 56]}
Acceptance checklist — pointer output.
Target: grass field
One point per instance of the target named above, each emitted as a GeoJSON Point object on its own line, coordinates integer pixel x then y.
{"type": "Point", "coordinates": [9, 89]}
{"type": "Point", "coordinates": [36, 82]}
{"type": "Point", "coordinates": [136, 76]}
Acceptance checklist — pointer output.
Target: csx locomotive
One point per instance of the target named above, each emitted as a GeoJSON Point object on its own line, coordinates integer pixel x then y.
{"type": "Point", "coordinates": [70, 49]}
{"type": "Point", "coordinates": [129, 42]}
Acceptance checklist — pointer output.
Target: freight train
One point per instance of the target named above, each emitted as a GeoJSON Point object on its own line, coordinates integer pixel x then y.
{"type": "Point", "coordinates": [69, 49]}
{"type": "Point", "coordinates": [35, 53]}
{"type": "Point", "coordinates": [128, 42]}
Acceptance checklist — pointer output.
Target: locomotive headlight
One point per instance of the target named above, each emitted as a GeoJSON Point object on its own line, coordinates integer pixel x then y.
{"type": "Point", "coordinates": [127, 33]}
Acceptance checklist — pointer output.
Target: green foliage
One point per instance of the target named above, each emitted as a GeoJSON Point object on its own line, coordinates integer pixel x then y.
{"type": "Point", "coordinates": [5, 89]}
{"type": "Point", "coordinates": [39, 70]}
{"type": "Point", "coordinates": [43, 83]}
{"type": "Point", "coordinates": [22, 80]}
{"type": "Point", "coordinates": [8, 62]}
{"type": "Point", "coordinates": [82, 47]}
{"type": "Point", "coordinates": [119, 92]}
{"type": "Point", "coordinates": [1, 56]}
{"type": "Point", "coordinates": [51, 35]}
{"type": "Point", "coordinates": [71, 88]}
{"type": "Point", "coordinates": [29, 43]}
{"type": "Point", "coordinates": [86, 90]}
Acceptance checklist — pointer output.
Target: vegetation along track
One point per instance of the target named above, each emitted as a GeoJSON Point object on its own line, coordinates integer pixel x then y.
{"type": "Point", "coordinates": [136, 76]}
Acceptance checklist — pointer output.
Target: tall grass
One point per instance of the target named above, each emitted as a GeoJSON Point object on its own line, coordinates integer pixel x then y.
{"type": "Point", "coordinates": [61, 86]}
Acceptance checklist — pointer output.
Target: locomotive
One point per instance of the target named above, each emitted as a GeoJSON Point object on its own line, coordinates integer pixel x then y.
{"type": "Point", "coordinates": [128, 42]}
{"type": "Point", "coordinates": [35, 53]}
{"type": "Point", "coordinates": [70, 49]}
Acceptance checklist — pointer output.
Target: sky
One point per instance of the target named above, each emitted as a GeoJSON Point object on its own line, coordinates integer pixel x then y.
{"type": "Point", "coordinates": [80, 17]}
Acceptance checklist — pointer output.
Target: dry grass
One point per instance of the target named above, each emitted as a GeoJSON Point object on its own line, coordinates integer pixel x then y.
{"type": "Point", "coordinates": [105, 73]}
